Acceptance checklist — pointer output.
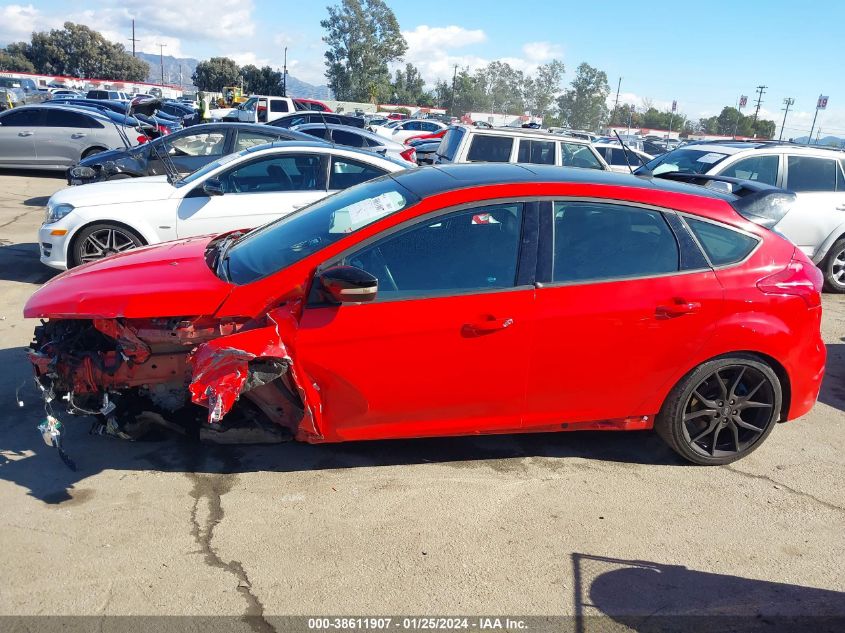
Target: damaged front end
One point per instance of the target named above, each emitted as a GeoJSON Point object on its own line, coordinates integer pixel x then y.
{"type": "Point", "coordinates": [227, 381]}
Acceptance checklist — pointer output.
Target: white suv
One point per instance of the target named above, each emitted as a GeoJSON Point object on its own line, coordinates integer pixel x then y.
{"type": "Point", "coordinates": [468, 144]}
{"type": "Point", "coordinates": [816, 223]}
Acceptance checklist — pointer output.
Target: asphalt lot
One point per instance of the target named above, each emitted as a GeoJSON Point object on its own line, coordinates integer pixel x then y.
{"type": "Point", "coordinates": [571, 523]}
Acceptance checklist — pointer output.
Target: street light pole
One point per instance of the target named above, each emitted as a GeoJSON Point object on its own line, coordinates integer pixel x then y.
{"type": "Point", "coordinates": [161, 60]}
{"type": "Point", "coordinates": [285, 75]}
{"type": "Point", "coordinates": [454, 80]}
{"type": "Point", "coordinates": [788, 101]}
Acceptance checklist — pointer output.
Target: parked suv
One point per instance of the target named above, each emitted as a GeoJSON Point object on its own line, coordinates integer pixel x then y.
{"type": "Point", "coordinates": [815, 223]}
{"type": "Point", "coordinates": [469, 144]}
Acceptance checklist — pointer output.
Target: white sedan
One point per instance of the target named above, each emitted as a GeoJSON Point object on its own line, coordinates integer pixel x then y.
{"type": "Point", "coordinates": [239, 191]}
{"type": "Point", "coordinates": [402, 130]}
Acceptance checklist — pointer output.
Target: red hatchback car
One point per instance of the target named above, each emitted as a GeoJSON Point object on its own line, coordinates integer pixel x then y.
{"type": "Point", "coordinates": [456, 300]}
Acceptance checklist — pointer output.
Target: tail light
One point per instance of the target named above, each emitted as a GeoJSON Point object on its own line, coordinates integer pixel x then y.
{"type": "Point", "coordinates": [142, 139]}
{"type": "Point", "coordinates": [801, 278]}
{"type": "Point", "coordinates": [410, 155]}
{"type": "Point", "coordinates": [163, 129]}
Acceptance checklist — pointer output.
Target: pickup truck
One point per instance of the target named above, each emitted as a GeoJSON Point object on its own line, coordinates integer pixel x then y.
{"type": "Point", "coordinates": [18, 92]}
{"type": "Point", "coordinates": [256, 109]}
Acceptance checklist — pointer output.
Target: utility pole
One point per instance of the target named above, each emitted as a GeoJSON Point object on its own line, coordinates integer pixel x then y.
{"type": "Point", "coordinates": [616, 103]}
{"type": "Point", "coordinates": [761, 90]}
{"type": "Point", "coordinates": [133, 39]}
{"type": "Point", "coordinates": [821, 104]}
{"type": "Point", "coordinates": [285, 75]}
{"type": "Point", "coordinates": [161, 60]}
{"type": "Point", "coordinates": [789, 101]}
{"type": "Point", "coordinates": [454, 80]}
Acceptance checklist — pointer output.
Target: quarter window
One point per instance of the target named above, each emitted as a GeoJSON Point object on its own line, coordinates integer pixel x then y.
{"type": "Point", "coordinates": [760, 168]}
{"type": "Point", "coordinates": [342, 137]}
{"type": "Point", "coordinates": [490, 149]}
{"type": "Point", "coordinates": [278, 106]}
{"type": "Point", "coordinates": [722, 245]}
{"type": "Point", "coordinates": [595, 241]}
{"type": "Point", "coordinates": [474, 249]}
{"type": "Point", "coordinates": [62, 118]}
{"type": "Point", "coordinates": [537, 152]}
{"type": "Point", "coordinates": [347, 173]}
{"type": "Point", "coordinates": [808, 173]}
{"type": "Point", "coordinates": [251, 139]}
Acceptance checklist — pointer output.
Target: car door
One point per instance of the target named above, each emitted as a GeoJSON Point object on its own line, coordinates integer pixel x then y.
{"type": "Point", "coordinates": [623, 302]}
{"type": "Point", "coordinates": [442, 348]}
{"type": "Point", "coordinates": [348, 172]}
{"type": "Point", "coordinates": [63, 136]}
{"type": "Point", "coordinates": [189, 152]}
{"type": "Point", "coordinates": [820, 208]}
{"type": "Point", "coordinates": [254, 193]}
{"type": "Point", "coordinates": [17, 132]}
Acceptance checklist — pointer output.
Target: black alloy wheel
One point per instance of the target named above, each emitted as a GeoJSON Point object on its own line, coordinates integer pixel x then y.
{"type": "Point", "coordinates": [722, 411]}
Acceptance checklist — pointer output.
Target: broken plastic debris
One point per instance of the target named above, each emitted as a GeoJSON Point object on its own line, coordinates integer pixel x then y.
{"type": "Point", "coordinates": [51, 432]}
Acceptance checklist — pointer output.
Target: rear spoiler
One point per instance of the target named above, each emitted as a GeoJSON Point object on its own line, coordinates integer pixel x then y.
{"type": "Point", "coordinates": [755, 201]}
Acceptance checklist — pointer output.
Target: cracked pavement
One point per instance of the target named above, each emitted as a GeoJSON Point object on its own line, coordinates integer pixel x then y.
{"type": "Point", "coordinates": [480, 525]}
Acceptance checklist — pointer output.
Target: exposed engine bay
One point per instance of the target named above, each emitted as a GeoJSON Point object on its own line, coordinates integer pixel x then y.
{"type": "Point", "coordinates": [225, 381]}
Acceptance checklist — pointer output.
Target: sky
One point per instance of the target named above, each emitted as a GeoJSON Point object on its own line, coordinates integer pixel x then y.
{"type": "Point", "coordinates": [702, 55]}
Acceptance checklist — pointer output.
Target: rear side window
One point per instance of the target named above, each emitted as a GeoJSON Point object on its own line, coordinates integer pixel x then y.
{"type": "Point", "coordinates": [347, 173]}
{"type": "Point", "coordinates": [63, 118]}
{"type": "Point", "coordinates": [20, 118]}
{"type": "Point", "coordinates": [722, 245]}
{"type": "Point", "coordinates": [537, 152]}
{"type": "Point", "coordinates": [342, 137]}
{"type": "Point", "coordinates": [576, 155]}
{"type": "Point", "coordinates": [490, 149]}
{"type": "Point", "coordinates": [451, 142]}
{"type": "Point", "coordinates": [808, 173]}
{"type": "Point", "coordinates": [595, 241]}
{"type": "Point", "coordinates": [759, 168]}
{"type": "Point", "coordinates": [278, 106]}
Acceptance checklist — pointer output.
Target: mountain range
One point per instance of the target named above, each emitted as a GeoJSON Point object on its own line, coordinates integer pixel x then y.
{"type": "Point", "coordinates": [178, 70]}
{"type": "Point", "coordinates": [831, 141]}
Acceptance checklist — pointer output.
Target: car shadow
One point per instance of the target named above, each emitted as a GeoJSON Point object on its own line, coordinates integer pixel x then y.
{"type": "Point", "coordinates": [833, 386]}
{"type": "Point", "coordinates": [26, 461]}
{"type": "Point", "coordinates": [20, 262]}
{"type": "Point", "coordinates": [652, 597]}
{"type": "Point", "coordinates": [54, 174]}
{"type": "Point", "coordinates": [37, 201]}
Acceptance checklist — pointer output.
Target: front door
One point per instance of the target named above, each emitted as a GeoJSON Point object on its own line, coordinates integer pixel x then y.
{"type": "Point", "coordinates": [17, 136]}
{"type": "Point", "coordinates": [617, 316]}
{"type": "Point", "coordinates": [254, 193]}
{"type": "Point", "coordinates": [442, 349]}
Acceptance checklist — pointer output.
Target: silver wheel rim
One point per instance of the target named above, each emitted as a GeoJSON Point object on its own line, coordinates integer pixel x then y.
{"type": "Point", "coordinates": [105, 242]}
{"type": "Point", "coordinates": [837, 268]}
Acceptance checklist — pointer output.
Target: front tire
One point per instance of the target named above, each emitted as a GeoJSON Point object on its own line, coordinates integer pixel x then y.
{"type": "Point", "coordinates": [721, 411]}
{"type": "Point", "coordinates": [834, 267]}
{"type": "Point", "coordinates": [101, 240]}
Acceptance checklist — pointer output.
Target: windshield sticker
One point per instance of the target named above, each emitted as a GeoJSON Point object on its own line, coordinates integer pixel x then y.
{"type": "Point", "coordinates": [364, 212]}
{"type": "Point", "coordinates": [712, 157]}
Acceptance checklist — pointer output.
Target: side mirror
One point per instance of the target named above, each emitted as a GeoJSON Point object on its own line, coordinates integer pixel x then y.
{"type": "Point", "coordinates": [213, 187]}
{"type": "Point", "coordinates": [347, 284]}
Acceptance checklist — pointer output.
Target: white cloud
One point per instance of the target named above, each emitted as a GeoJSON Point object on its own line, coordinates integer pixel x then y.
{"type": "Point", "coordinates": [542, 52]}
{"type": "Point", "coordinates": [428, 39]}
{"type": "Point", "coordinates": [17, 22]}
{"type": "Point", "coordinates": [246, 58]}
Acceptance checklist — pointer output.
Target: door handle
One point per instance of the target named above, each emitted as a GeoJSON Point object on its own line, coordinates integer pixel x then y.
{"type": "Point", "coordinates": [676, 309]}
{"type": "Point", "coordinates": [487, 326]}
{"type": "Point", "coordinates": [78, 135]}
{"type": "Point", "coordinates": [25, 133]}
{"type": "Point", "coordinates": [841, 207]}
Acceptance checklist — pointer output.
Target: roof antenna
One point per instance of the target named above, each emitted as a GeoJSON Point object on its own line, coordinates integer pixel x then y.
{"type": "Point", "coordinates": [328, 132]}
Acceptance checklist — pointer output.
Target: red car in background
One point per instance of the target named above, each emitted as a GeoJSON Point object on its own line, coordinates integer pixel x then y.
{"type": "Point", "coordinates": [583, 300]}
{"type": "Point", "coordinates": [311, 104]}
{"type": "Point", "coordinates": [427, 136]}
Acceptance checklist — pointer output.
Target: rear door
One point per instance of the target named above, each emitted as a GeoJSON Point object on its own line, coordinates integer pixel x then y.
{"type": "Point", "coordinates": [256, 192]}
{"type": "Point", "coordinates": [820, 208]}
{"type": "Point", "coordinates": [17, 136]}
{"type": "Point", "coordinates": [623, 303]}
{"type": "Point", "coordinates": [64, 136]}
{"type": "Point", "coordinates": [442, 350]}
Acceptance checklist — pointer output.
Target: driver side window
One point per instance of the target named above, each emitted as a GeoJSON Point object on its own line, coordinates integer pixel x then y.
{"type": "Point", "coordinates": [291, 172]}
{"type": "Point", "coordinates": [471, 250]}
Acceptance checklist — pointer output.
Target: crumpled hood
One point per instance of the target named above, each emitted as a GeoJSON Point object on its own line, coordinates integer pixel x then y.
{"type": "Point", "coordinates": [115, 192]}
{"type": "Point", "coordinates": [164, 280]}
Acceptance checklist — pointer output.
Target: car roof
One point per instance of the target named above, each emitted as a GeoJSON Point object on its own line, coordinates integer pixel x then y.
{"type": "Point", "coordinates": [92, 112]}
{"type": "Point", "coordinates": [316, 144]}
{"type": "Point", "coordinates": [437, 179]}
{"type": "Point", "coordinates": [521, 131]}
{"type": "Point", "coordinates": [734, 147]}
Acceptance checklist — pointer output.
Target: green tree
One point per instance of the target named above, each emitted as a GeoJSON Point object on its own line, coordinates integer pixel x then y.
{"type": "Point", "coordinates": [78, 51]}
{"type": "Point", "coordinates": [584, 105]}
{"type": "Point", "coordinates": [540, 92]}
{"type": "Point", "coordinates": [502, 86]}
{"type": "Point", "coordinates": [14, 62]}
{"type": "Point", "coordinates": [262, 81]}
{"type": "Point", "coordinates": [408, 86]}
{"type": "Point", "coordinates": [363, 37]}
{"type": "Point", "coordinates": [215, 73]}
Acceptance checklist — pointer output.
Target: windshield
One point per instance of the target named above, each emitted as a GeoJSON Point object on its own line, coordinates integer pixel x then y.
{"type": "Point", "coordinates": [292, 238]}
{"type": "Point", "coordinates": [685, 161]}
